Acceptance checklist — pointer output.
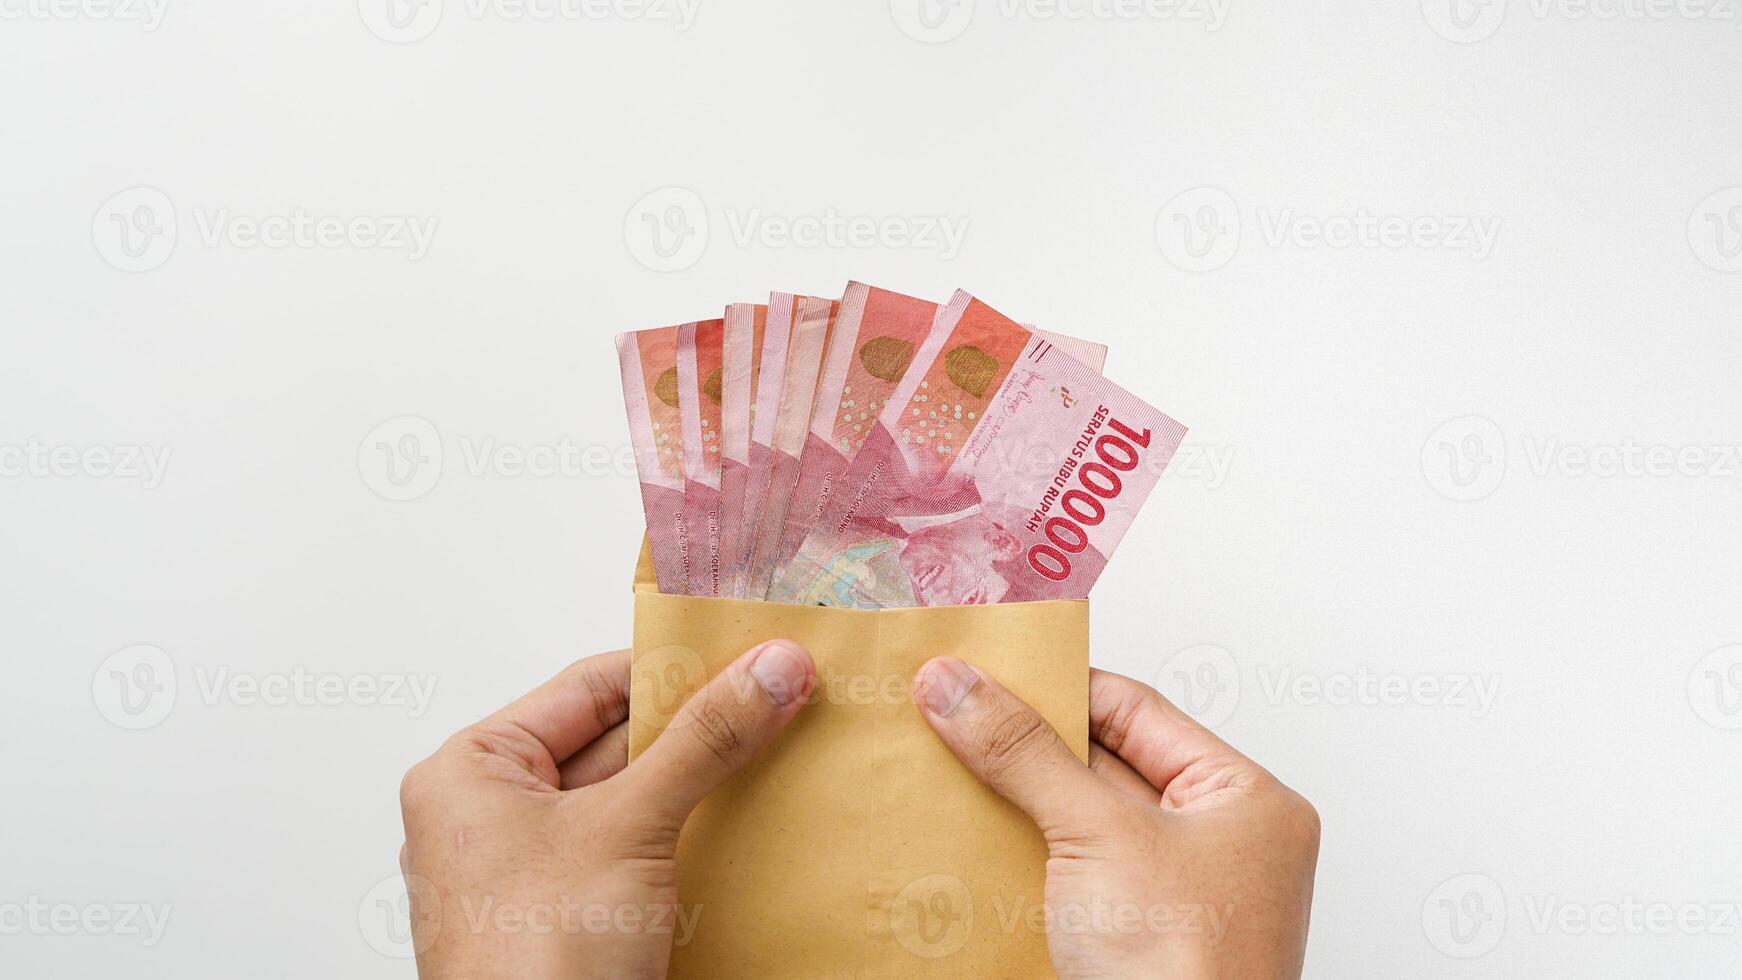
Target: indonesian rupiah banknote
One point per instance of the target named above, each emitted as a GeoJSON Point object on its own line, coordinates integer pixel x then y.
{"type": "Point", "coordinates": [765, 412]}
{"type": "Point", "coordinates": [647, 360]}
{"type": "Point", "coordinates": [875, 336]}
{"type": "Point", "coordinates": [741, 353]}
{"type": "Point", "coordinates": [699, 390]}
{"type": "Point", "coordinates": [873, 342]}
{"type": "Point", "coordinates": [1000, 469]}
{"type": "Point", "coordinates": [812, 319]}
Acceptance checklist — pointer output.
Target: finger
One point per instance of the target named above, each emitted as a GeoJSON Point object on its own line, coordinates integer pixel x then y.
{"type": "Point", "coordinates": [1120, 776]}
{"type": "Point", "coordinates": [571, 709]}
{"type": "Point", "coordinates": [1157, 739]}
{"type": "Point", "coordinates": [721, 729]}
{"type": "Point", "coordinates": [599, 760]}
{"type": "Point", "coordinates": [1005, 743]}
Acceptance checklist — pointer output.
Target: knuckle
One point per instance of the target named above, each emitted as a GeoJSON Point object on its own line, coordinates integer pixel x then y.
{"type": "Point", "coordinates": [1012, 738]}
{"type": "Point", "coordinates": [416, 785]}
{"type": "Point", "coordinates": [608, 708]}
{"type": "Point", "coordinates": [718, 731]}
{"type": "Point", "coordinates": [1302, 821]}
{"type": "Point", "coordinates": [638, 835]}
{"type": "Point", "coordinates": [1295, 821]}
{"type": "Point", "coordinates": [1115, 727]}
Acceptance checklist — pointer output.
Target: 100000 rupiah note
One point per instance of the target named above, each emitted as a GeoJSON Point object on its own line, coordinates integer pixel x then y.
{"type": "Point", "coordinates": [1000, 470]}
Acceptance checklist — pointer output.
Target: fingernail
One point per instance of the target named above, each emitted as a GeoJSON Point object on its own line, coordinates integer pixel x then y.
{"type": "Point", "coordinates": [944, 685]}
{"type": "Point", "coordinates": [783, 670]}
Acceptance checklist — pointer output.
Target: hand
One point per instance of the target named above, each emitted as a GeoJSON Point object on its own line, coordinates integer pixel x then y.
{"type": "Point", "coordinates": [532, 850]}
{"type": "Point", "coordinates": [1171, 854]}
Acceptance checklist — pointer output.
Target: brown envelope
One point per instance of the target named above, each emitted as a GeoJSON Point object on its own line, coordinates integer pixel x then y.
{"type": "Point", "coordinates": [857, 845]}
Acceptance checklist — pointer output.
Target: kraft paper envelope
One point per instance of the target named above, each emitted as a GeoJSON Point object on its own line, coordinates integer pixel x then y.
{"type": "Point", "coordinates": [857, 845]}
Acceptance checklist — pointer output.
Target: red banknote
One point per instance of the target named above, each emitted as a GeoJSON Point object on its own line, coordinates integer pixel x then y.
{"type": "Point", "coordinates": [648, 362]}
{"type": "Point", "coordinates": [1000, 469]}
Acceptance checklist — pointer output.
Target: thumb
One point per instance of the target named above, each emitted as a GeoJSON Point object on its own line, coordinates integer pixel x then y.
{"type": "Point", "coordinates": [1006, 744]}
{"type": "Point", "coordinates": [720, 729]}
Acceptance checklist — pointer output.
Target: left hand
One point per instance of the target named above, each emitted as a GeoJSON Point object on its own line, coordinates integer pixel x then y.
{"type": "Point", "coordinates": [532, 849]}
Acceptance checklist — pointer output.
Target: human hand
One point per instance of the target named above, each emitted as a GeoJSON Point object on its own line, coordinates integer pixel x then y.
{"type": "Point", "coordinates": [1170, 854]}
{"type": "Point", "coordinates": [531, 849]}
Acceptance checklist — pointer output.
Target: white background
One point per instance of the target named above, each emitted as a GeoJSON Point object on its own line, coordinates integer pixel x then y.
{"type": "Point", "coordinates": [1331, 539]}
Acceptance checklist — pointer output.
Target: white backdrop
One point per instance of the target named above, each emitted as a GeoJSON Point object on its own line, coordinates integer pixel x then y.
{"type": "Point", "coordinates": [1448, 294]}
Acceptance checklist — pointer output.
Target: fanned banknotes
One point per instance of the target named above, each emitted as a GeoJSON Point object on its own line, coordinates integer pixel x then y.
{"type": "Point", "coordinates": [698, 393]}
{"type": "Point", "coordinates": [882, 451]}
{"type": "Point", "coordinates": [875, 335]}
{"type": "Point", "coordinates": [812, 319]}
{"type": "Point", "coordinates": [648, 362]}
{"type": "Point", "coordinates": [741, 355]}
{"type": "Point", "coordinates": [764, 413]}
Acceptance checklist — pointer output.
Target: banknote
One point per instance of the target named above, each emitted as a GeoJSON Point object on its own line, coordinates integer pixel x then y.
{"type": "Point", "coordinates": [1000, 469]}
{"type": "Point", "coordinates": [764, 413]}
{"type": "Point", "coordinates": [698, 391]}
{"type": "Point", "coordinates": [1093, 355]}
{"type": "Point", "coordinates": [648, 361]}
{"type": "Point", "coordinates": [875, 336]}
{"type": "Point", "coordinates": [741, 344]}
{"type": "Point", "coordinates": [812, 319]}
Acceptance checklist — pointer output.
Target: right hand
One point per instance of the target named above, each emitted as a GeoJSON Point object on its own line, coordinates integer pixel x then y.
{"type": "Point", "coordinates": [1171, 854]}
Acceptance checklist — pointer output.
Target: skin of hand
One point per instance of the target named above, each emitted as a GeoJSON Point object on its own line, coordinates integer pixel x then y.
{"type": "Point", "coordinates": [533, 850]}
{"type": "Point", "coordinates": [1170, 854]}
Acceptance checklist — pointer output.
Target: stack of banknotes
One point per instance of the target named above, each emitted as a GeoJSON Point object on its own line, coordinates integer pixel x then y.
{"type": "Point", "coordinates": [882, 451]}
